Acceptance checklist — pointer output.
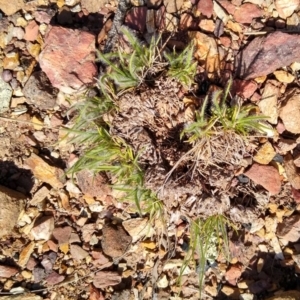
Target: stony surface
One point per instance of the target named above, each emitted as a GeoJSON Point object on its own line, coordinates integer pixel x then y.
{"type": "Point", "coordinates": [5, 95]}
{"type": "Point", "coordinates": [69, 66]}
{"type": "Point", "coordinates": [11, 7]}
{"type": "Point", "coordinates": [115, 240]}
{"type": "Point", "coordinates": [39, 91]}
{"type": "Point", "coordinates": [43, 228]}
{"type": "Point", "coordinates": [7, 271]}
{"type": "Point", "coordinates": [267, 176]}
{"type": "Point", "coordinates": [105, 278]}
{"type": "Point", "coordinates": [11, 205]}
{"type": "Point", "coordinates": [26, 296]}
{"type": "Point", "coordinates": [266, 54]}
{"type": "Point", "coordinates": [290, 111]}
{"type": "Point", "coordinates": [289, 229]}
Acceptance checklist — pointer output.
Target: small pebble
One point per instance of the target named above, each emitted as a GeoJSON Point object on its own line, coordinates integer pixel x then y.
{"type": "Point", "coordinates": [7, 75]}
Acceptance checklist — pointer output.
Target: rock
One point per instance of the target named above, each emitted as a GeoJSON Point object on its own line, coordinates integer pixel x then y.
{"type": "Point", "coordinates": [136, 18]}
{"type": "Point", "coordinates": [33, 49]}
{"type": "Point", "coordinates": [289, 229]}
{"type": "Point", "coordinates": [233, 274]}
{"type": "Point", "coordinates": [265, 154]}
{"type": "Point", "coordinates": [38, 274]}
{"type": "Point", "coordinates": [78, 253]}
{"type": "Point", "coordinates": [115, 240]}
{"type": "Point", "coordinates": [5, 95]}
{"type": "Point", "coordinates": [104, 279]}
{"type": "Point", "coordinates": [54, 278]}
{"type": "Point", "coordinates": [43, 16]}
{"type": "Point", "coordinates": [173, 6]}
{"type": "Point", "coordinates": [291, 171]}
{"type": "Point", "coordinates": [284, 76]}
{"type": "Point", "coordinates": [207, 25]}
{"type": "Point", "coordinates": [244, 88]}
{"type": "Point", "coordinates": [26, 296]}
{"type": "Point", "coordinates": [7, 271]}
{"type": "Point", "coordinates": [285, 8]}
{"type": "Point", "coordinates": [43, 228]}
{"type": "Point", "coordinates": [6, 75]}
{"type": "Point", "coordinates": [44, 172]}
{"type": "Point", "coordinates": [266, 176]}
{"type": "Point", "coordinates": [39, 91]}
{"type": "Point", "coordinates": [40, 195]}
{"type": "Point", "coordinates": [205, 7]}
{"type": "Point", "coordinates": [162, 282]}
{"type": "Point", "coordinates": [11, 205]}
{"type": "Point", "coordinates": [69, 66]}
{"type": "Point", "coordinates": [31, 31]}
{"type": "Point", "coordinates": [290, 111]}
{"type": "Point", "coordinates": [137, 228]}
{"type": "Point", "coordinates": [25, 254]}
{"type": "Point", "coordinates": [93, 6]}
{"type": "Point", "coordinates": [246, 13]}
{"type": "Point", "coordinates": [11, 7]}
{"type": "Point", "coordinates": [265, 54]}
{"type": "Point", "coordinates": [62, 234]}
{"type": "Point", "coordinates": [93, 185]}
{"type": "Point", "coordinates": [11, 61]}
{"type": "Point", "coordinates": [268, 104]}
{"type": "Point", "coordinates": [186, 21]}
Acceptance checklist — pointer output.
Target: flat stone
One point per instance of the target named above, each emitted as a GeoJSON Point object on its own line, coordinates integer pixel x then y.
{"type": "Point", "coordinates": [62, 234]}
{"type": "Point", "coordinates": [11, 205]}
{"type": "Point", "coordinates": [11, 61]}
{"type": "Point", "coordinates": [291, 171]}
{"type": "Point", "coordinates": [154, 3]}
{"type": "Point", "coordinates": [31, 31]}
{"type": "Point", "coordinates": [43, 228]}
{"type": "Point", "coordinates": [205, 7]}
{"type": "Point", "coordinates": [244, 88]}
{"type": "Point", "coordinates": [285, 8]}
{"type": "Point", "coordinates": [290, 111]}
{"type": "Point", "coordinates": [136, 18]}
{"type": "Point", "coordinates": [289, 229]}
{"type": "Point", "coordinates": [104, 279]}
{"type": "Point", "coordinates": [266, 176]}
{"type": "Point", "coordinates": [115, 240]}
{"type": "Point", "coordinates": [265, 154]}
{"type": "Point", "coordinates": [93, 6]}
{"type": "Point", "coordinates": [44, 172]}
{"type": "Point", "coordinates": [54, 278]}
{"type": "Point", "coordinates": [11, 7]}
{"type": "Point", "coordinates": [137, 228]}
{"type": "Point", "coordinates": [39, 91]}
{"type": "Point", "coordinates": [207, 25]}
{"type": "Point", "coordinates": [40, 196]}
{"type": "Point", "coordinates": [78, 253]}
{"type": "Point", "coordinates": [25, 254]}
{"type": "Point", "coordinates": [269, 103]}
{"type": "Point", "coordinates": [173, 6]}
{"type": "Point", "coordinates": [93, 185]}
{"type": "Point", "coordinates": [7, 271]}
{"type": "Point", "coordinates": [68, 59]}
{"type": "Point", "coordinates": [246, 13]}
{"type": "Point", "coordinates": [5, 95]}
{"type": "Point", "coordinates": [265, 54]}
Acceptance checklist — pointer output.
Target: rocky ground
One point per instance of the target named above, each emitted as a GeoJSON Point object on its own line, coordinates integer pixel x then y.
{"type": "Point", "coordinates": [66, 239]}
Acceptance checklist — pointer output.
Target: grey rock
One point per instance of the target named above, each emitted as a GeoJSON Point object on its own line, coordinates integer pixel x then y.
{"type": "Point", "coordinates": [5, 95]}
{"type": "Point", "coordinates": [39, 91]}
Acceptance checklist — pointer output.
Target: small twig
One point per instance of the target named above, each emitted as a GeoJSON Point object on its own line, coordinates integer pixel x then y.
{"type": "Point", "coordinates": [23, 121]}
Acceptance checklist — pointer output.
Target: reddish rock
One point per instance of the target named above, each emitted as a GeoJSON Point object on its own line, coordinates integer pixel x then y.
{"type": "Point", "coordinates": [266, 176]}
{"type": "Point", "coordinates": [68, 58]}
{"type": "Point", "coordinates": [225, 41]}
{"type": "Point", "coordinates": [296, 195]}
{"type": "Point", "coordinates": [244, 88]}
{"type": "Point", "coordinates": [115, 240]}
{"type": "Point", "coordinates": [233, 274]}
{"type": "Point", "coordinates": [291, 171]}
{"type": "Point", "coordinates": [186, 21]}
{"type": "Point", "coordinates": [93, 185]}
{"type": "Point", "coordinates": [104, 279]}
{"type": "Point", "coordinates": [205, 7]}
{"type": "Point", "coordinates": [43, 16]}
{"type": "Point", "coordinates": [136, 18]}
{"type": "Point", "coordinates": [62, 234]}
{"type": "Point", "coordinates": [7, 271]}
{"type": "Point", "coordinates": [266, 54]}
{"type": "Point", "coordinates": [54, 278]}
{"type": "Point", "coordinates": [228, 6]}
{"type": "Point", "coordinates": [246, 13]}
{"type": "Point", "coordinates": [31, 31]}
{"type": "Point", "coordinates": [290, 228]}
